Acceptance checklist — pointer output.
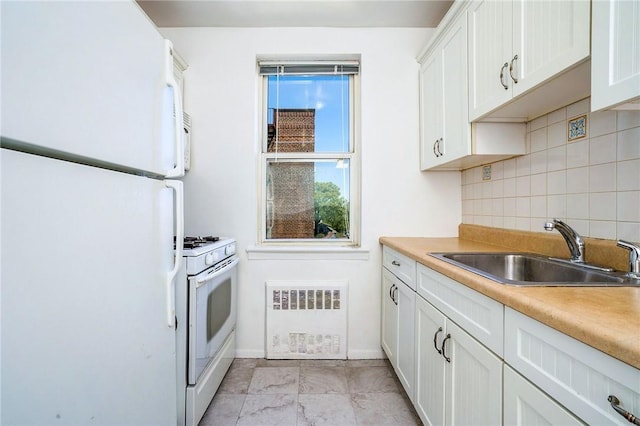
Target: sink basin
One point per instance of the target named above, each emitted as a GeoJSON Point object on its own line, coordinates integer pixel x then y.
{"type": "Point", "coordinates": [534, 270]}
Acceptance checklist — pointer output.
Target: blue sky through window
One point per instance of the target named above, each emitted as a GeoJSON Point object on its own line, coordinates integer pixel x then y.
{"type": "Point", "coordinates": [329, 96]}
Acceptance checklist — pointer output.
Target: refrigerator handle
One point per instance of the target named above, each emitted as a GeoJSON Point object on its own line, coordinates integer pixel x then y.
{"type": "Point", "coordinates": [178, 170]}
{"type": "Point", "coordinates": [177, 187]}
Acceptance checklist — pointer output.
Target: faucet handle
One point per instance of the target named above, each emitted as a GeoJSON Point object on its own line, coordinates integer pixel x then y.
{"type": "Point", "coordinates": [634, 257]}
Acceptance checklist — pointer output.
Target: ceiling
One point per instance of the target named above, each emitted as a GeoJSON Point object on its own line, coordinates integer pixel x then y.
{"type": "Point", "coordinates": [292, 13]}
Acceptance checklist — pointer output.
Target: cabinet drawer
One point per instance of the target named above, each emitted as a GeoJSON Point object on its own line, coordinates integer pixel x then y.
{"type": "Point", "coordinates": [576, 375]}
{"type": "Point", "coordinates": [400, 265]}
{"type": "Point", "coordinates": [479, 315]}
{"type": "Point", "coordinates": [525, 404]}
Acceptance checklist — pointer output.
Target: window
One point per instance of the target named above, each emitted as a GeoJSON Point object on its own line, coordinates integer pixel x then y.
{"type": "Point", "coordinates": [310, 174]}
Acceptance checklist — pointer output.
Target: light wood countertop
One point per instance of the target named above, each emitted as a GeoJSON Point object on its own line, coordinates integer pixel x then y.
{"type": "Point", "coordinates": [607, 318]}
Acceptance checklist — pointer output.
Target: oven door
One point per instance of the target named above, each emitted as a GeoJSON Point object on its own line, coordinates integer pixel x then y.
{"type": "Point", "coordinates": [212, 313]}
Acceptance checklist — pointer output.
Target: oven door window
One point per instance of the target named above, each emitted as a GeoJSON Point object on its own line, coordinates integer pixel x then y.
{"type": "Point", "coordinates": [218, 308]}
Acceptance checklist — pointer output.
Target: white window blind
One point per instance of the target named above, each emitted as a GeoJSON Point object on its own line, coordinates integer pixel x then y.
{"type": "Point", "coordinates": [304, 68]}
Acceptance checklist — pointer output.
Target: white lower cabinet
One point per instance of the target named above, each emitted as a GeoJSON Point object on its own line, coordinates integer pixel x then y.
{"type": "Point", "coordinates": [398, 318]}
{"type": "Point", "coordinates": [458, 380]}
{"type": "Point", "coordinates": [389, 321]}
{"type": "Point", "coordinates": [430, 331]}
{"type": "Point", "coordinates": [446, 343]}
{"type": "Point", "coordinates": [576, 375]}
{"type": "Point", "coordinates": [405, 361]}
{"type": "Point", "coordinates": [525, 404]}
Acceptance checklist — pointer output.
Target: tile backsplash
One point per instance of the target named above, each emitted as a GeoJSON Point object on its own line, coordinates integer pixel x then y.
{"type": "Point", "coordinates": [591, 181]}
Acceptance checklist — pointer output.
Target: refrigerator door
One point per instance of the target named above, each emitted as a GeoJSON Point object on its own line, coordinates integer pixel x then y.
{"type": "Point", "coordinates": [86, 254]}
{"type": "Point", "coordinates": [92, 79]}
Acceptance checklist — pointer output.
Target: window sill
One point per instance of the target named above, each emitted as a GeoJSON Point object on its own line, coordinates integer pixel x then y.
{"type": "Point", "coordinates": [293, 252]}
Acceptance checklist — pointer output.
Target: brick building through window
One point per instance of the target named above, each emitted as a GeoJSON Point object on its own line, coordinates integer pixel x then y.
{"type": "Point", "coordinates": [291, 185]}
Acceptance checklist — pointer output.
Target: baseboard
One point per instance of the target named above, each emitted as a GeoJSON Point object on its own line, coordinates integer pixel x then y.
{"type": "Point", "coordinates": [249, 353]}
{"type": "Point", "coordinates": [355, 354]}
{"type": "Point", "coordinates": [366, 354]}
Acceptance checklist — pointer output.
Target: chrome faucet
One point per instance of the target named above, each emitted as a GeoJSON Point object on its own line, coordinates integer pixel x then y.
{"type": "Point", "coordinates": [634, 257]}
{"type": "Point", "coordinates": [573, 239]}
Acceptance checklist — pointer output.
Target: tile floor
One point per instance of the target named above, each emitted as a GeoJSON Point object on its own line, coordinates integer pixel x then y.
{"type": "Point", "coordinates": [310, 392]}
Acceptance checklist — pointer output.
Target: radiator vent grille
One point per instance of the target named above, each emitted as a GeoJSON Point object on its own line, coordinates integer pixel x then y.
{"type": "Point", "coordinates": [306, 320]}
{"type": "Point", "coordinates": [303, 299]}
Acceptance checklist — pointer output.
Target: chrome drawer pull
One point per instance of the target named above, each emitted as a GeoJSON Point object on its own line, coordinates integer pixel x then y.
{"type": "Point", "coordinates": [504, 67]}
{"type": "Point", "coordinates": [515, 80]}
{"type": "Point", "coordinates": [443, 342]}
{"type": "Point", "coordinates": [435, 338]}
{"type": "Point", "coordinates": [615, 404]}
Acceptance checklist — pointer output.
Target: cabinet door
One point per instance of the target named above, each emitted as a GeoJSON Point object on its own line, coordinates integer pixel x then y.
{"type": "Point", "coordinates": [444, 110]}
{"type": "Point", "coordinates": [473, 380]}
{"type": "Point", "coordinates": [524, 404]}
{"type": "Point", "coordinates": [489, 44]}
{"type": "Point", "coordinates": [406, 299]}
{"type": "Point", "coordinates": [389, 328]}
{"type": "Point", "coordinates": [431, 111]}
{"type": "Point", "coordinates": [548, 37]}
{"type": "Point", "coordinates": [429, 390]}
{"type": "Point", "coordinates": [456, 141]}
{"type": "Point", "coordinates": [615, 64]}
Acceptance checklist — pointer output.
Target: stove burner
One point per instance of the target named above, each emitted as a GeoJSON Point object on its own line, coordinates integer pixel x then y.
{"type": "Point", "coordinates": [194, 242]}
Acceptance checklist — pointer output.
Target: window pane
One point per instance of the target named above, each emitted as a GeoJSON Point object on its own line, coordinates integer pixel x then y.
{"type": "Point", "coordinates": [308, 113]}
{"type": "Point", "coordinates": [307, 199]}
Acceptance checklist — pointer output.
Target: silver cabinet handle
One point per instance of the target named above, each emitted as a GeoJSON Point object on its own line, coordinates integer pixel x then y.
{"type": "Point", "coordinates": [395, 263]}
{"type": "Point", "coordinates": [437, 147]}
{"type": "Point", "coordinates": [504, 67]}
{"type": "Point", "coordinates": [615, 404]}
{"type": "Point", "coordinates": [515, 80]}
{"type": "Point", "coordinates": [443, 353]}
{"type": "Point", "coordinates": [435, 338]}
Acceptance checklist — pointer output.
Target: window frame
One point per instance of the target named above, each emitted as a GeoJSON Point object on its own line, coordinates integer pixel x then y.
{"type": "Point", "coordinates": [352, 154]}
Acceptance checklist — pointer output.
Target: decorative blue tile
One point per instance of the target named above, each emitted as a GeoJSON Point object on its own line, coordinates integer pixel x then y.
{"type": "Point", "coordinates": [577, 128]}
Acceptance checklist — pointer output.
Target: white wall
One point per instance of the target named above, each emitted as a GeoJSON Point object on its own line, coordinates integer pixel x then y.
{"type": "Point", "coordinates": [592, 183]}
{"type": "Point", "coordinates": [221, 94]}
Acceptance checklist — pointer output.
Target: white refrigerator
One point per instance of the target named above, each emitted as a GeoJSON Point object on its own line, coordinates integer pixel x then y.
{"type": "Point", "coordinates": [91, 135]}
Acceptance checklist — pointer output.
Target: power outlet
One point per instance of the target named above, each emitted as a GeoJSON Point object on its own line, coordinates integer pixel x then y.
{"type": "Point", "coordinates": [486, 172]}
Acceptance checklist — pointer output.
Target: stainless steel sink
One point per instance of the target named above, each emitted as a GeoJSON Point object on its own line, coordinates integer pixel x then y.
{"type": "Point", "coordinates": [534, 270]}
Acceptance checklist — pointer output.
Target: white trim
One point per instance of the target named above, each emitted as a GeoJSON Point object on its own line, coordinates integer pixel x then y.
{"type": "Point", "coordinates": [249, 353]}
{"type": "Point", "coordinates": [366, 354]}
{"type": "Point", "coordinates": [353, 154]}
{"type": "Point", "coordinates": [310, 252]}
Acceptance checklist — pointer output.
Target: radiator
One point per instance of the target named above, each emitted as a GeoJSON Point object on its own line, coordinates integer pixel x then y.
{"type": "Point", "coordinates": [306, 320]}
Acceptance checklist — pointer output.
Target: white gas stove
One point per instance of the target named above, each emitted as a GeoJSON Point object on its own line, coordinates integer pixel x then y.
{"type": "Point", "coordinates": [207, 303]}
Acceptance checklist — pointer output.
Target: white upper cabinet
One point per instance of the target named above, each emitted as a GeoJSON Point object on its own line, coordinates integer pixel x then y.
{"type": "Point", "coordinates": [516, 46]}
{"type": "Point", "coordinates": [490, 28]}
{"type": "Point", "coordinates": [443, 93]}
{"type": "Point", "coordinates": [447, 140]}
{"type": "Point", "coordinates": [615, 54]}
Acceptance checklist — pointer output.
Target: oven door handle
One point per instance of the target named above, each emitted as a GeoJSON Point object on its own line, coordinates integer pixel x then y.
{"type": "Point", "coordinates": [177, 188]}
{"type": "Point", "coordinates": [212, 275]}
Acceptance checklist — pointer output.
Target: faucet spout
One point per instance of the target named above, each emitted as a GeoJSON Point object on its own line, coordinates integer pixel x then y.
{"type": "Point", "coordinates": [573, 239]}
{"type": "Point", "coordinates": [634, 257]}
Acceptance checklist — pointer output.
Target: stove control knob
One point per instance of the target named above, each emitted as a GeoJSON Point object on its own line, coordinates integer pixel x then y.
{"type": "Point", "coordinates": [230, 249]}
{"type": "Point", "coordinates": [210, 258]}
